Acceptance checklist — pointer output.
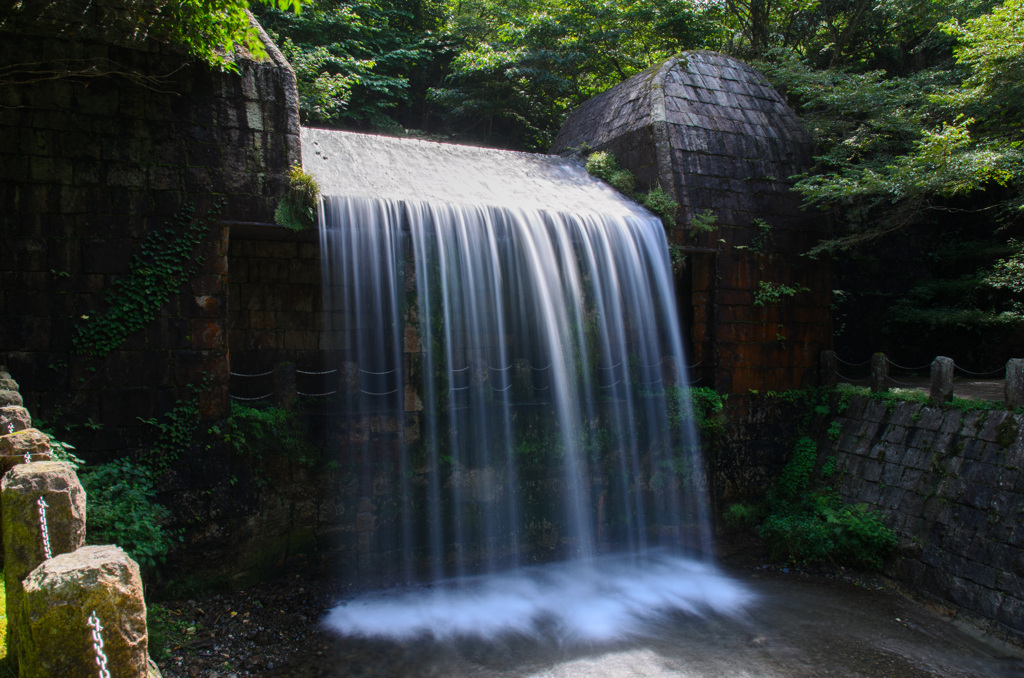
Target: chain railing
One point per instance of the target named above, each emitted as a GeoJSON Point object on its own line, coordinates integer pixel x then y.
{"type": "Point", "coordinates": [376, 383]}
{"type": "Point", "coordinates": [942, 371]}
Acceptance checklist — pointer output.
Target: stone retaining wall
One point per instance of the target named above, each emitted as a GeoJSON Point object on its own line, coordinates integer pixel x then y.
{"type": "Point", "coordinates": [950, 483]}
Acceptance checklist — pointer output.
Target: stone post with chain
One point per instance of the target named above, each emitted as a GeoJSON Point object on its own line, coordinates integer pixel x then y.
{"type": "Point", "coordinates": [32, 528]}
{"type": "Point", "coordinates": [84, 615]}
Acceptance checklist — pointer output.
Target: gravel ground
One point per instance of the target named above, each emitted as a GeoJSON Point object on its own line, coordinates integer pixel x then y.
{"type": "Point", "coordinates": [253, 632]}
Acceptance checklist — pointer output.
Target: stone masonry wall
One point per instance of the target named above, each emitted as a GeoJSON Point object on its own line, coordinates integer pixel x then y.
{"type": "Point", "coordinates": [91, 165]}
{"type": "Point", "coordinates": [951, 484]}
{"type": "Point", "coordinates": [275, 290]}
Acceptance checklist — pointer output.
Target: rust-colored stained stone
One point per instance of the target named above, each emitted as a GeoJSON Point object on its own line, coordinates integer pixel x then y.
{"type": "Point", "coordinates": [207, 334]}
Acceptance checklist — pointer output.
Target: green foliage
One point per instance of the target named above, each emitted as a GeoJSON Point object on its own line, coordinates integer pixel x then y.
{"type": "Point", "coordinates": [804, 521]}
{"type": "Point", "coordinates": [810, 524]}
{"type": "Point", "coordinates": [297, 210]}
{"type": "Point", "coordinates": [261, 433]}
{"type": "Point", "coordinates": [357, 62]}
{"type": "Point", "coordinates": [176, 431]}
{"type": "Point", "coordinates": [602, 165]}
{"type": "Point", "coordinates": [165, 262]}
{"type": "Point", "coordinates": [123, 510]}
{"type": "Point", "coordinates": [658, 202]}
{"type": "Point", "coordinates": [521, 66]}
{"type": "Point", "coordinates": [122, 494]}
{"type": "Point", "coordinates": [796, 475]}
{"type": "Point", "coordinates": [708, 410]}
{"type": "Point", "coordinates": [894, 397]}
{"type": "Point", "coordinates": [992, 50]}
{"type": "Point", "coordinates": [623, 182]}
{"type": "Point", "coordinates": [773, 293]}
{"type": "Point", "coordinates": [835, 429]}
{"type": "Point", "coordinates": [742, 515]}
{"type": "Point", "coordinates": [762, 236]}
{"type": "Point", "coordinates": [210, 30]}
{"type": "Point", "coordinates": [705, 221]}
{"type": "Point", "coordinates": [61, 450]}
{"type": "Point", "coordinates": [1008, 275]}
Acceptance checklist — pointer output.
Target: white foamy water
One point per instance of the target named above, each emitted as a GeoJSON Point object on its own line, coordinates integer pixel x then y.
{"type": "Point", "coordinates": [596, 601]}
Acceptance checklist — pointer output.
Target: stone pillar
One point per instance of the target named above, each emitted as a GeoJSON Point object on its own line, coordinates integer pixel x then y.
{"type": "Point", "coordinates": [942, 380]}
{"type": "Point", "coordinates": [9, 398]}
{"type": "Point", "coordinates": [1014, 387]}
{"type": "Point", "coordinates": [14, 447]}
{"type": "Point", "coordinates": [7, 382]}
{"type": "Point", "coordinates": [828, 369]}
{"type": "Point", "coordinates": [66, 598]}
{"type": "Point", "coordinates": [879, 373]}
{"type": "Point", "coordinates": [285, 390]}
{"type": "Point", "coordinates": [23, 541]}
{"type": "Point", "coordinates": [13, 419]}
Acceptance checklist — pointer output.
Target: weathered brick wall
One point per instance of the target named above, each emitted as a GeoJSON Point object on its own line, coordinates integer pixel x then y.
{"type": "Point", "coordinates": [951, 485]}
{"type": "Point", "coordinates": [89, 165]}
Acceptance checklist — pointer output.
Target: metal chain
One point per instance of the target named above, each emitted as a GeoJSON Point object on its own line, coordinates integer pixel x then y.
{"type": "Point", "coordinates": [315, 373]}
{"type": "Point", "coordinates": [42, 527]}
{"type": "Point", "coordinates": [234, 397]}
{"type": "Point", "coordinates": [261, 374]}
{"type": "Point", "coordinates": [97, 645]}
{"type": "Point", "coordinates": [908, 369]}
{"type": "Point", "coordinates": [315, 395]}
{"type": "Point", "coordinates": [1001, 370]}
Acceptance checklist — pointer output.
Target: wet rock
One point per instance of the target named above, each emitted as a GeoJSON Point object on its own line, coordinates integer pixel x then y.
{"type": "Point", "coordinates": [21, 523]}
{"type": "Point", "coordinates": [14, 418]}
{"type": "Point", "coordinates": [63, 599]}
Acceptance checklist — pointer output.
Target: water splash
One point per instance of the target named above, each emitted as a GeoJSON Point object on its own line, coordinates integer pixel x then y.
{"type": "Point", "coordinates": [597, 601]}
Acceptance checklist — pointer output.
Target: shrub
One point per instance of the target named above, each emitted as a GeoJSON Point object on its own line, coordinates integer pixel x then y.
{"type": "Point", "coordinates": [259, 433]}
{"type": "Point", "coordinates": [122, 510]}
{"type": "Point", "coordinates": [602, 165]}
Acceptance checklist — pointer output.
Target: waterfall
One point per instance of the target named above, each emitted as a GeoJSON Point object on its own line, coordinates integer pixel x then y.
{"type": "Point", "coordinates": [530, 310]}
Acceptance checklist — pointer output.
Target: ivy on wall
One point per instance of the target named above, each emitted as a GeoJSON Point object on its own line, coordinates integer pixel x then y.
{"type": "Point", "coordinates": [165, 262]}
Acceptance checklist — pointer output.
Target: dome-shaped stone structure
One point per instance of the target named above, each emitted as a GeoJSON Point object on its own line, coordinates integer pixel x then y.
{"type": "Point", "coordinates": [715, 135]}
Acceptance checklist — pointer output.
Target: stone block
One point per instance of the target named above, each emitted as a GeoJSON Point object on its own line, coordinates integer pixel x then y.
{"type": "Point", "coordinates": [1011, 612]}
{"type": "Point", "coordinates": [23, 492]}
{"type": "Point", "coordinates": [77, 601]}
{"type": "Point", "coordinates": [875, 411]}
{"type": "Point", "coordinates": [972, 423]}
{"type": "Point", "coordinates": [15, 447]}
{"type": "Point", "coordinates": [952, 422]}
{"type": "Point", "coordinates": [990, 431]}
{"type": "Point", "coordinates": [14, 418]}
{"type": "Point", "coordinates": [9, 398]}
